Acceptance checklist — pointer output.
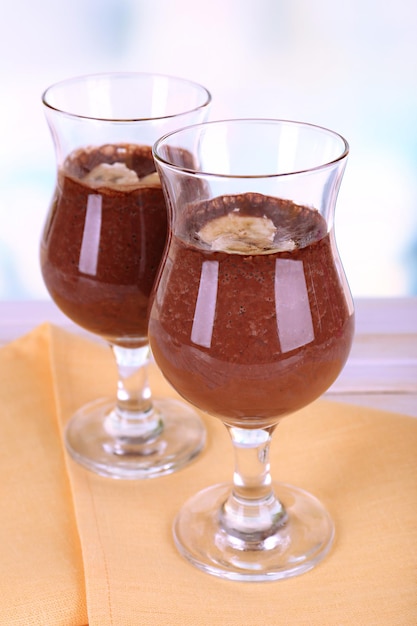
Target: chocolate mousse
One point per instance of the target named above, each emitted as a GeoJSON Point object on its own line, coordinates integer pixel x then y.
{"type": "Point", "coordinates": [104, 238]}
{"type": "Point", "coordinates": [253, 318]}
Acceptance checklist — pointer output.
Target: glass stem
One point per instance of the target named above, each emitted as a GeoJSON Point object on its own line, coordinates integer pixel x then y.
{"type": "Point", "coordinates": [134, 415]}
{"type": "Point", "coordinates": [252, 512]}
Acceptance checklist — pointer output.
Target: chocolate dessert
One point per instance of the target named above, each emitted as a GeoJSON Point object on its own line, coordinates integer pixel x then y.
{"type": "Point", "coordinates": [104, 239]}
{"type": "Point", "coordinates": [253, 319]}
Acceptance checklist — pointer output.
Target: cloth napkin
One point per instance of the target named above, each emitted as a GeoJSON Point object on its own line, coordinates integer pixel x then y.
{"type": "Point", "coordinates": [80, 549]}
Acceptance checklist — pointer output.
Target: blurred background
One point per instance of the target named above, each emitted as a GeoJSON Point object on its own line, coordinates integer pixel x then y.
{"type": "Point", "coordinates": [350, 66]}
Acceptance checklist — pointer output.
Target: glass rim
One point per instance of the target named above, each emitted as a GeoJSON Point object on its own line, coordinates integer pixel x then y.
{"type": "Point", "coordinates": [252, 120]}
{"type": "Point", "coordinates": [84, 78]}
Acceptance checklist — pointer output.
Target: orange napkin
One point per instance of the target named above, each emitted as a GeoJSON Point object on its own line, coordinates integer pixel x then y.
{"type": "Point", "coordinates": [41, 568]}
{"type": "Point", "coordinates": [362, 464]}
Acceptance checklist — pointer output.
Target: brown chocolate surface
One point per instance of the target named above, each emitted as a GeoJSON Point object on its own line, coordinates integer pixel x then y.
{"type": "Point", "coordinates": [251, 338]}
{"type": "Point", "coordinates": [102, 246]}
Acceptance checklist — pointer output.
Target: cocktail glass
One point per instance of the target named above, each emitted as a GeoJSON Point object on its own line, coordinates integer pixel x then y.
{"type": "Point", "coordinates": [252, 320]}
{"type": "Point", "coordinates": [100, 251]}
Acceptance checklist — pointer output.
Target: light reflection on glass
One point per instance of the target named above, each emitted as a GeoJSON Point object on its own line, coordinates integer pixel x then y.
{"type": "Point", "coordinates": [205, 308]}
{"type": "Point", "coordinates": [91, 236]}
{"type": "Point", "coordinates": [295, 326]}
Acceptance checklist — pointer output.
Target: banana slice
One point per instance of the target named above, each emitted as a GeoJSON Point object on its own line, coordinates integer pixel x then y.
{"type": "Point", "coordinates": [116, 175]}
{"type": "Point", "coordinates": [241, 234]}
{"type": "Point", "coordinates": [111, 175]}
{"type": "Point", "coordinates": [151, 180]}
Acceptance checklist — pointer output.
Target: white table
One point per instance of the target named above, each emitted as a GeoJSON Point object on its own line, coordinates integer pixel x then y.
{"type": "Point", "coordinates": [381, 371]}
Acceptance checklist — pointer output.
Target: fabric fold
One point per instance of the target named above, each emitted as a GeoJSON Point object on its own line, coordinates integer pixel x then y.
{"type": "Point", "coordinates": [41, 569]}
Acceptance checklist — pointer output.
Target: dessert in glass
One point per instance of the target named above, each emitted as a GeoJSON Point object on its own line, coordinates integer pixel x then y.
{"type": "Point", "coordinates": [100, 252]}
{"type": "Point", "coordinates": [251, 320]}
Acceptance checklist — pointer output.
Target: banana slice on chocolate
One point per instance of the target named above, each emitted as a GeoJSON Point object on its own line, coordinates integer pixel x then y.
{"type": "Point", "coordinates": [111, 175]}
{"type": "Point", "coordinates": [151, 180]}
{"type": "Point", "coordinates": [240, 234]}
{"type": "Point", "coordinates": [117, 175]}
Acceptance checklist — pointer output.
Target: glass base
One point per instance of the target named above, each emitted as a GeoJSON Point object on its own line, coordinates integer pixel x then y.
{"type": "Point", "coordinates": [300, 543]}
{"type": "Point", "coordinates": [181, 437]}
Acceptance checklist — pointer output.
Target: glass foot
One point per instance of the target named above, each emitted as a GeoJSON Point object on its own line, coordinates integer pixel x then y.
{"type": "Point", "coordinates": [181, 437]}
{"type": "Point", "coordinates": [302, 541]}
